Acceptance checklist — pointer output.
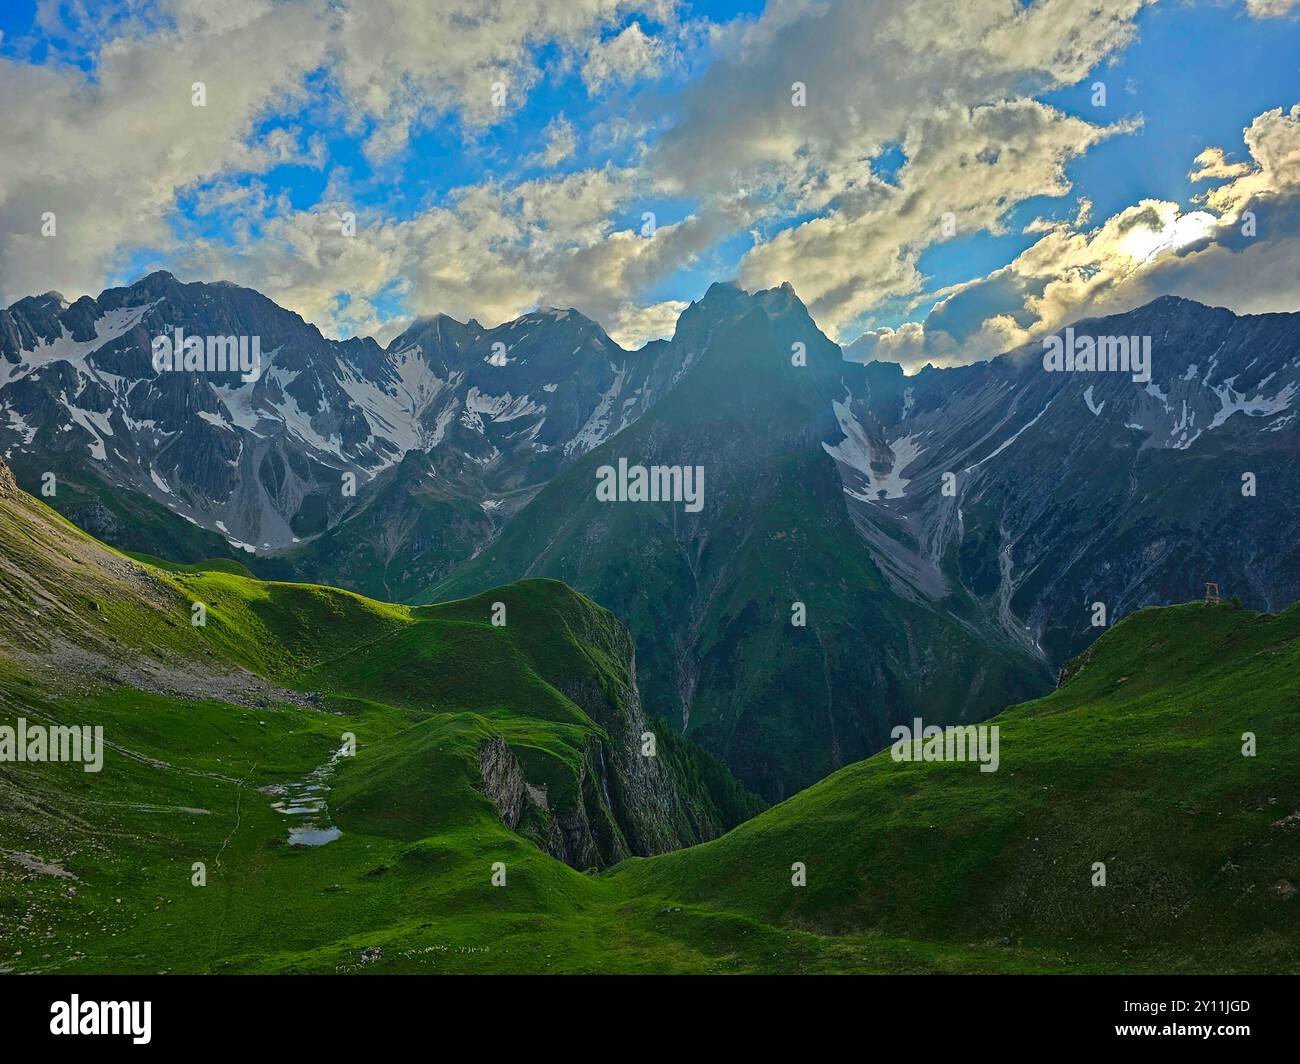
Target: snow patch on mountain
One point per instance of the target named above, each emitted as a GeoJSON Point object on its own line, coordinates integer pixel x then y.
{"type": "Point", "coordinates": [397, 411]}
{"type": "Point", "coordinates": [1183, 427]}
{"type": "Point", "coordinates": [94, 423]}
{"type": "Point", "coordinates": [65, 349]}
{"type": "Point", "coordinates": [857, 452]}
{"type": "Point", "coordinates": [18, 424]}
{"type": "Point", "coordinates": [240, 405]}
{"type": "Point", "coordinates": [297, 421]}
{"type": "Point", "coordinates": [500, 407]}
{"type": "Point", "coordinates": [217, 420]}
{"type": "Point", "coordinates": [593, 433]}
{"type": "Point", "coordinates": [1233, 402]}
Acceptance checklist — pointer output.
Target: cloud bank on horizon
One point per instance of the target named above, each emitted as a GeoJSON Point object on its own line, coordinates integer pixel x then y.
{"type": "Point", "coordinates": [940, 182]}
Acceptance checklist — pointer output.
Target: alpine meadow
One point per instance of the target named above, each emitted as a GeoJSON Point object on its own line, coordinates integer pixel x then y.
{"type": "Point", "coordinates": [649, 487]}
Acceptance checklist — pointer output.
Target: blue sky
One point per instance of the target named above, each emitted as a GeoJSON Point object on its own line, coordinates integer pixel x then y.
{"type": "Point", "coordinates": [1167, 78]}
{"type": "Point", "coordinates": [681, 110]}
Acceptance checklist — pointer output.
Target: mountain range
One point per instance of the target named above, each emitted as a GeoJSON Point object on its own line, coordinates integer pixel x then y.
{"type": "Point", "coordinates": [872, 546]}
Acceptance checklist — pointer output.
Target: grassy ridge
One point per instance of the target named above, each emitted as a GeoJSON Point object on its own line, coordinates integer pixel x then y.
{"type": "Point", "coordinates": [1136, 762]}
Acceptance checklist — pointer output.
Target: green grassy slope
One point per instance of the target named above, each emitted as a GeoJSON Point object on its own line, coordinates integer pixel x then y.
{"type": "Point", "coordinates": [95, 868]}
{"type": "Point", "coordinates": [1136, 761]}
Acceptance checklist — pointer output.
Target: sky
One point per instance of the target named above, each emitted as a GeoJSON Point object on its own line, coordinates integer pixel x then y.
{"type": "Point", "coordinates": [940, 181]}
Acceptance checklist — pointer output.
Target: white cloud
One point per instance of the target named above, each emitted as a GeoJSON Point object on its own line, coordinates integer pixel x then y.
{"type": "Point", "coordinates": [561, 142]}
{"type": "Point", "coordinates": [108, 155]}
{"type": "Point", "coordinates": [110, 152]}
{"type": "Point", "coordinates": [950, 82]}
{"type": "Point", "coordinates": [403, 64]}
{"type": "Point", "coordinates": [965, 170]}
{"type": "Point", "coordinates": [1270, 8]}
{"type": "Point", "coordinates": [494, 251]}
{"type": "Point", "coordinates": [1238, 249]}
{"type": "Point", "coordinates": [630, 56]}
{"type": "Point", "coordinates": [633, 326]}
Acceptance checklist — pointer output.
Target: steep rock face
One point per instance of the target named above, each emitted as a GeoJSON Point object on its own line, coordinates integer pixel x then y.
{"type": "Point", "coordinates": [622, 810]}
{"type": "Point", "coordinates": [1041, 493]}
{"type": "Point", "coordinates": [568, 833]}
{"type": "Point", "coordinates": [639, 790]}
{"type": "Point", "coordinates": [8, 486]}
{"type": "Point", "coordinates": [644, 800]}
{"type": "Point", "coordinates": [503, 780]}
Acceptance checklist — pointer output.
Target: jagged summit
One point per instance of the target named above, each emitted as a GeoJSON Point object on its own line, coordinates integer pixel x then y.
{"type": "Point", "coordinates": [257, 463]}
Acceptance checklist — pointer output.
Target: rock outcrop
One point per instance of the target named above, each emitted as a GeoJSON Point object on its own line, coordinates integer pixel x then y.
{"type": "Point", "coordinates": [8, 486]}
{"type": "Point", "coordinates": [639, 790]}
